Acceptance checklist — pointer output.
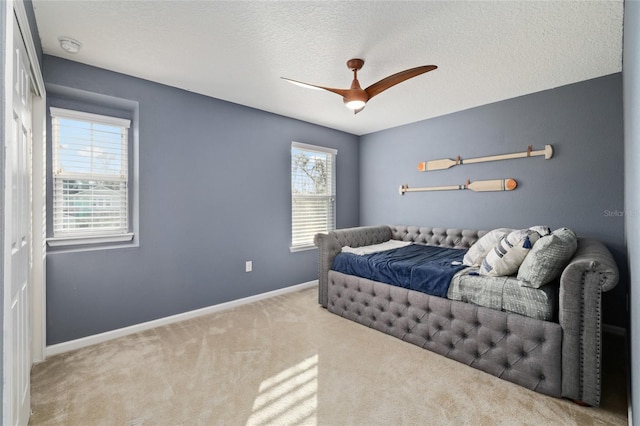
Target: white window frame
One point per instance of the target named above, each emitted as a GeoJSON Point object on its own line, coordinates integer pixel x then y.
{"type": "Point", "coordinates": [330, 198]}
{"type": "Point", "coordinates": [91, 236]}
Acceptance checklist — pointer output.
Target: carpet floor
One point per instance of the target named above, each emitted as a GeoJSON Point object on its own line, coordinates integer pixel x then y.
{"type": "Point", "coordinates": [287, 361]}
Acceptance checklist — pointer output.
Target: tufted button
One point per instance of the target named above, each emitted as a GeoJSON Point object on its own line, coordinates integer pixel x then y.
{"type": "Point", "coordinates": [477, 354]}
{"type": "Point", "coordinates": [542, 340]}
{"type": "Point", "coordinates": [506, 331]}
{"type": "Point", "coordinates": [464, 335]}
{"type": "Point", "coordinates": [366, 303]}
{"type": "Point", "coordinates": [492, 344]}
{"type": "Point", "coordinates": [542, 377]}
{"type": "Point", "coordinates": [452, 346]}
{"type": "Point", "coordinates": [523, 354]}
{"type": "Point", "coordinates": [390, 323]}
{"type": "Point", "coordinates": [507, 365]}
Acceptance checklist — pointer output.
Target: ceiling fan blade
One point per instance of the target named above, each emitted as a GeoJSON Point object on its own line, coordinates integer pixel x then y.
{"type": "Point", "coordinates": [392, 80]}
{"type": "Point", "coordinates": [341, 92]}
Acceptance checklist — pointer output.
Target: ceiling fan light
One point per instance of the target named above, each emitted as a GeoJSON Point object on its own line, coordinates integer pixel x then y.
{"type": "Point", "coordinates": [354, 104]}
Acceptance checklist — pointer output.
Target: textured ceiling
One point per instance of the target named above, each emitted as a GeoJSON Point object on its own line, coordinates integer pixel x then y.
{"type": "Point", "coordinates": [237, 51]}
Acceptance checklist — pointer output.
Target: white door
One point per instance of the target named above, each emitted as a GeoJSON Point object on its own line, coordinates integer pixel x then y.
{"type": "Point", "coordinates": [18, 217]}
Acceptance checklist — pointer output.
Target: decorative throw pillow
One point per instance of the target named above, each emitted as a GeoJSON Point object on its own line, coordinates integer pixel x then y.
{"type": "Point", "coordinates": [548, 258]}
{"type": "Point", "coordinates": [477, 252]}
{"type": "Point", "coordinates": [542, 230]}
{"type": "Point", "coordinates": [505, 258]}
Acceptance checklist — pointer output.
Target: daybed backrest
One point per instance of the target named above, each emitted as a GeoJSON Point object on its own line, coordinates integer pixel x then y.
{"type": "Point", "coordinates": [445, 237]}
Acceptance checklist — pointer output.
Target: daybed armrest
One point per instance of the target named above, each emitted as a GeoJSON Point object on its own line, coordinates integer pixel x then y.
{"type": "Point", "coordinates": [590, 272]}
{"type": "Point", "coordinates": [329, 245]}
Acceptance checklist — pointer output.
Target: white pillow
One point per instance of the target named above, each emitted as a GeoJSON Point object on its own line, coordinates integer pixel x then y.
{"type": "Point", "coordinates": [477, 252]}
{"type": "Point", "coordinates": [507, 256]}
{"type": "Point", "coordinates": [376, 248]}
{"type": "Point", "coordinates": [542, 230]}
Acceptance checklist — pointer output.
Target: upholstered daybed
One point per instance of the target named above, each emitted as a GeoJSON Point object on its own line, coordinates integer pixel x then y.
{"type": "Point", "coordinates": [558, 356]}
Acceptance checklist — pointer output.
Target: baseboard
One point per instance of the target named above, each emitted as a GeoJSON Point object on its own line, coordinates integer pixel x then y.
{"type": "Point", "coordinates": [614, 329]}
{"type": "Point", "coordinates": [114, 334]}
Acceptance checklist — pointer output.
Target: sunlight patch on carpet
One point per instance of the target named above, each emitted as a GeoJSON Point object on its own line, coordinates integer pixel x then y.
{"type": "Point", "coordinates": [289, 397]}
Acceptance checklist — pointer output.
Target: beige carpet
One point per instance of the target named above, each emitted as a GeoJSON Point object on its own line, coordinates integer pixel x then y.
{"type": "Point", "coordinates": [286, 361]}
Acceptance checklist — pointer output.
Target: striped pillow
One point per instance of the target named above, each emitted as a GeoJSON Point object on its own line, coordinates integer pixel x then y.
{"type": "Point", "coordinates": [477, 252]}
{"type": "Point", "coordinates": [505, 258]}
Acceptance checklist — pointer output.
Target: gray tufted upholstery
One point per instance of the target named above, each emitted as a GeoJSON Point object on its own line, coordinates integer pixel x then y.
{"type": "Point", "coordinates": [509, 346]}
{"type": "Point", "coordinates": [445, 237]}
{"type": "Point", "coordinates": [329, 245]}
{"type": "Point", "coordinates": [591, 272]}
{"type": "Point", "coordinates": [568, 358]}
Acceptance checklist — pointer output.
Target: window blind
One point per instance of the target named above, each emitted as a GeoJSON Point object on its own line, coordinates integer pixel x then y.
{"type": "Point", "coordinates": [90, 174]}
{"type": "Point", "coordinates": [312, 193]}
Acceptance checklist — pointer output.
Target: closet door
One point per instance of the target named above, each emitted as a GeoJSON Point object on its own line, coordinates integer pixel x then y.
{"type": "Point", "coordinates": [17, 244]}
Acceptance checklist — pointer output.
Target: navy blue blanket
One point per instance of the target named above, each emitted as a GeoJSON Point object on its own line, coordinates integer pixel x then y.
{"type": "Point", "coordinates": [428, 269]}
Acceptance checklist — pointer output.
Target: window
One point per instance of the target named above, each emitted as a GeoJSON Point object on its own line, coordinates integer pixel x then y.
{"type": "Point", "coordinates": [90, 176]}
{"type": "Point", "coordinates": [313, 193]}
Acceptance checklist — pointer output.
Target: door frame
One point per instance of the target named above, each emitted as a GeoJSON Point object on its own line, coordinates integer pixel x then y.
{"type": "Point", "coordinates": [38, 167]}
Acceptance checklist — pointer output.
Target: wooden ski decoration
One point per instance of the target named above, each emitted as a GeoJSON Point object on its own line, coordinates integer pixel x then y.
{"type": "Point", "coordinates": [446, 163]}
{"type": "Point", "coordinates": [478, 186]}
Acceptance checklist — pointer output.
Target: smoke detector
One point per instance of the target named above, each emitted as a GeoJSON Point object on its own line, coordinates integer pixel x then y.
{"type": "Point", "coordinates": [70, 45]}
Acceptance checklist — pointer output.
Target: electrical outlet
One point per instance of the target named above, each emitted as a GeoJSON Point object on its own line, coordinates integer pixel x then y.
{"type": "Point", "coordinates": [248, 266]}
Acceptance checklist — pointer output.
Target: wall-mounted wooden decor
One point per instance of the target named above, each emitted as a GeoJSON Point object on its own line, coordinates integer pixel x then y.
{"type": "Point", "coordinates": [478, 186]}
{"type": "Point", "coordinates": [446, 163]}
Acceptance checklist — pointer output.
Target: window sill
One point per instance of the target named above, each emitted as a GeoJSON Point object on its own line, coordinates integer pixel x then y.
{"type": "Point", "coordinates": [302, 248]}
{"type": "Point", "coordinates": [83, 241]}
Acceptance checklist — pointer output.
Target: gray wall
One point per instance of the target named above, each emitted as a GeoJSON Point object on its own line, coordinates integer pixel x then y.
{"type": "Point", "coordinates": [631, 84]}
{"type": "Point", "coordinates": [214, 192]}
{"type": "Point", "coordinates": [231, 169]}
{"type": "Point", "coordinates": [31, 16]}
{"type": "Point", "coordinates": [581, 187]}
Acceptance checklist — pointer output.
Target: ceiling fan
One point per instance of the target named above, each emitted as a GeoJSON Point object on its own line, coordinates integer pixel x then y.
{"type": "Point", "coordinates": [355, 97]}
